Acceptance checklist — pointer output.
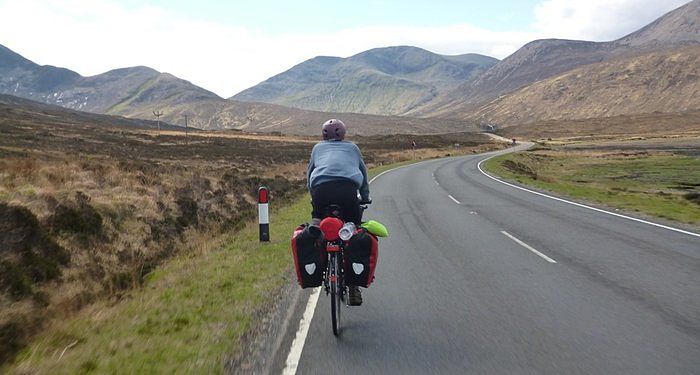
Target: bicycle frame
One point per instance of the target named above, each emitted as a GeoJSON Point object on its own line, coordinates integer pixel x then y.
{"type": "Point", "coordinates": [334, 253]}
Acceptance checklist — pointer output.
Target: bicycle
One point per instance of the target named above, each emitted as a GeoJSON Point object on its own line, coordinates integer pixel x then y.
{"type": "Point", "coordinates": [333, 278]}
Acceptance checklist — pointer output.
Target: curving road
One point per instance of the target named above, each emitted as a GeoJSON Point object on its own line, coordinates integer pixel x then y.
{"type": "Point", "coordinates": [480, 277]}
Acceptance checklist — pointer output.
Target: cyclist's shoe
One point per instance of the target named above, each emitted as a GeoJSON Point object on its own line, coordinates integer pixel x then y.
{"type": "Point", "coordinates": [355, 296]}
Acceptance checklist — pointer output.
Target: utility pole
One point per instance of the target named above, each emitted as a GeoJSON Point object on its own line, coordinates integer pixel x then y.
{"type": "Point", "coordinates": [157, 114]}
{"type": "Point", "coordinates": [186, 140]}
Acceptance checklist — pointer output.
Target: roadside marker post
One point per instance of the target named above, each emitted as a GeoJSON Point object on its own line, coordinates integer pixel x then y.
{"type": "Point", "coordinates": [263, 213]}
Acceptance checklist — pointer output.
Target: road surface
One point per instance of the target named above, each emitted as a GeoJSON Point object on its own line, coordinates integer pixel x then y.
{"type": "Point", "coordinates": [480, 277]}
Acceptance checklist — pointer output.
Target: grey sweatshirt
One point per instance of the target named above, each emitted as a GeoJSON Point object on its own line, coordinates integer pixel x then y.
{"type": "Point", "coordinates": [336, 160]}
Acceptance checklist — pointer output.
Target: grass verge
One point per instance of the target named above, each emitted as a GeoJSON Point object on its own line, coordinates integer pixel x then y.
{"type": "Point", "coordinates": [661, 184]}
{"type": "Point", "coordinates": [189, 316]}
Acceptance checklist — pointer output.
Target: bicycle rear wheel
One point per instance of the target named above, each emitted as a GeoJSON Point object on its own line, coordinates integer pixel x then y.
{"type": "Point", "coordinates": [336, 293]}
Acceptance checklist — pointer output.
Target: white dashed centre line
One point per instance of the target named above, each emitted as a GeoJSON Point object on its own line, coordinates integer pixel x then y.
{"type": "Point", "coordinates": [453, 199]}
{"type": "Point", "coordinates": [523, 244]}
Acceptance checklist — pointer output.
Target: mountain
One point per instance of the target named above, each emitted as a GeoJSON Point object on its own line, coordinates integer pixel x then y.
{"type": "Point", "coordinates": [138, 91]}
{"type": "Point", "coordinates": [665, 81]}
{"type": "Point", "coordinates": [390, 80]}
{"type": "Point", "coordinates": [112, 92]}
{"type": "Point", "coordinates": [548, 58]}
{"type": "Point", "coordinates": [534, 61]}
{"type": "Point", "coordinates": [21, 77]}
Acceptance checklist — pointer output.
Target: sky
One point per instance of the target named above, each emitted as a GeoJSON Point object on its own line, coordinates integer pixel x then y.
{"type": "Point", "coordinates": [228, 46]}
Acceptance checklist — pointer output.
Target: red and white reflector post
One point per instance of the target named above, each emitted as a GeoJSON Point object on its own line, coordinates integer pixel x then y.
{"type": "Point", "coordinates": [263, 213]}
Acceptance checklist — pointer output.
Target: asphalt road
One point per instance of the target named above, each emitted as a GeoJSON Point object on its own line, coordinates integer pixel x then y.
{"type": "Point", "coordinates": [457, 291]}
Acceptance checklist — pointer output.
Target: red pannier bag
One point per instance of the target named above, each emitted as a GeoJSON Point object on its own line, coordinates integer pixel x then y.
{"type": "Point", "coordinates": [361, 255]}
{"type": "Point", "coordinates": [309, 259]}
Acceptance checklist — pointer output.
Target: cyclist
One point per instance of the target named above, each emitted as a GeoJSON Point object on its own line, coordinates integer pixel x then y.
{"type": "Point", "coordinates": [335, 174]}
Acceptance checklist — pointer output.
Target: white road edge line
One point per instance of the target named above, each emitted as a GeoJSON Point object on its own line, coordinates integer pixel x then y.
{"type": "Point", "coordinates": [523, 244]}
{"type": "Point", "coordinates": [391, 170]}
{"type": "Point", "coordinates": [292, 362]}
{"type": "Point", "coordinates": [290, 367]}
{"type": "Point", "coordinates": [583, 205]}
{"type": "Point", "coordinates": [453, 199]}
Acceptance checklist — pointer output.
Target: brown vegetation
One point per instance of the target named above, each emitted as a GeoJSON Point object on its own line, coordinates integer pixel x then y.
{"type": "Point", "coordinates": [649, 124]}
{"type": "Point", "coordinates": [89, 212]}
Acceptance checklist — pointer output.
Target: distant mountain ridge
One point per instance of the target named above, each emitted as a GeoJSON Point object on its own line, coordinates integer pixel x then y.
{"type": "Point", "coordinates": [390, 81]}
{"type": "Point", "coordinates": [138, 91]}
{"type": "Point", "coordinates": [108, 93]}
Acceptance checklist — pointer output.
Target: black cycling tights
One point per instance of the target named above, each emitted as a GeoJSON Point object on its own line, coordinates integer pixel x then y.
{"type": "Point", "coordinates": [342, 193]}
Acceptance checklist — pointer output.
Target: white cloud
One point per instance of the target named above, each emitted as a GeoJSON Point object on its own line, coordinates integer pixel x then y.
{"type": "Point", "coordinates": [93, 36]}
{"type": "Point", "coordinates": [599, 20]}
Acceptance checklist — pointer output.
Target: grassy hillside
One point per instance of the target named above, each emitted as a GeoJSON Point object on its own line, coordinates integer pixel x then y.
{"type": "Point", "coordinates": [189, 317]}
{"type": "Point", "coordinates": [387, 81]}
{"type": "Point", "coordinates": [536, 60]}
{"type": "Point", "coordinates": [661, 81]}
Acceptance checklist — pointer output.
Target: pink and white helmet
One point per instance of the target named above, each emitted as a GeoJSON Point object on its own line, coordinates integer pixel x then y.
{"type": "Point", "coordinates": [333, 129]}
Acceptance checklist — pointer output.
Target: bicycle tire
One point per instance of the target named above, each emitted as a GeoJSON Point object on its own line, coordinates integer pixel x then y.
{"type": "Point", "coordinates": [335, 295]}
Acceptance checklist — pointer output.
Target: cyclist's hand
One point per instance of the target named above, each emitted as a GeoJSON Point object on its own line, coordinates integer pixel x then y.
{"type": "Point", "coordinates": [367, 200]}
